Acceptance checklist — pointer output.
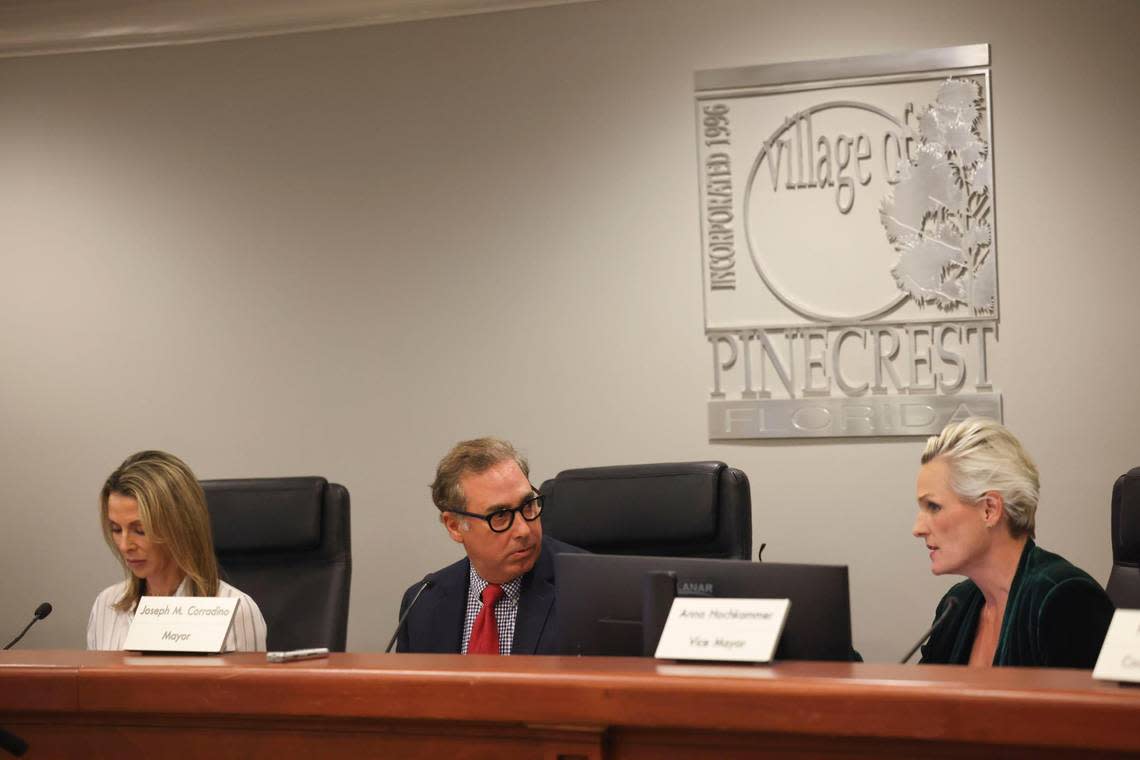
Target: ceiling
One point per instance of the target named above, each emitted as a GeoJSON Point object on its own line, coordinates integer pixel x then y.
{"type": "Point", "coordinates": [40, 27]}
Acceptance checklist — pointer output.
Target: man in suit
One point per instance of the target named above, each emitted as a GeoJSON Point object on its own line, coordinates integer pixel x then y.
{"type": "Point", "coordinates": [499, 599]}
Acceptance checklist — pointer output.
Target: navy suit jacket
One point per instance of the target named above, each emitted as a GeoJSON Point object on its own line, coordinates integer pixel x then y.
{"type": "Point", "coordinates": [435, 624]}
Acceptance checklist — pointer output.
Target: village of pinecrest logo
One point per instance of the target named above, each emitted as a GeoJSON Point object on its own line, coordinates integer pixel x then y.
{"type": "Point", "coordinates": [861, 192]}
{"type": "Point", "coordinates": [938, 215]}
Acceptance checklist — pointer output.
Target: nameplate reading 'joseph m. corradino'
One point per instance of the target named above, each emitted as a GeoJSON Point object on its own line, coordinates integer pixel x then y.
{"type": "Point", "coordinates": [181, 624]}
{"type": "Point", "coordinates": [736, 630]}
{"type": "Point", "coordinates": [849, 252]}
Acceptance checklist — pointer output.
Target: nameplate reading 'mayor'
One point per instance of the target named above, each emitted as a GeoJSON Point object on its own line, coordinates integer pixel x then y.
{"type": "Point", "coordinates": [181, 624]}
{"type": "Point", "coordinates": [743, 630]}
{"type": "Point", "coordinates": [1119, 658]}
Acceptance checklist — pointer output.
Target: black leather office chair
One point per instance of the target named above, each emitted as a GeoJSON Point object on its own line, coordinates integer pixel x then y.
{"type": "Point", "coordinates": [1124, 581]}
{"type": "Point", "coordinates": [689, 509]}
{"type": "Point", "coordinates": [286, 543]}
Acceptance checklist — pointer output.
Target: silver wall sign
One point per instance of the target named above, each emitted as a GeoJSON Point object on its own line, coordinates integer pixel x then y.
{"type": "Point", "coordinates": [849, 253]}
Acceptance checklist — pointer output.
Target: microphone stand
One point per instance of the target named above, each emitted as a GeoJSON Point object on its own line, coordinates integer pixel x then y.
{"type": "Point", "coordinates": [12, 744]}
{"type": "Point", "coordinates": [16, 640]}
{"type": "Point", "coordinates": [400, 623]}
{"type": "Point", "coordinates": [950, 605]}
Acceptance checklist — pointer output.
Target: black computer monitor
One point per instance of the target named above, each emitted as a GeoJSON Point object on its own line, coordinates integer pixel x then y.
{"type": "Point", "coordinates": [599, 601]}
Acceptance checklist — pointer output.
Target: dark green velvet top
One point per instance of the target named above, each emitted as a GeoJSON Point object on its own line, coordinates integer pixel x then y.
{"type": "Point", "coordinates": [1056, 617]}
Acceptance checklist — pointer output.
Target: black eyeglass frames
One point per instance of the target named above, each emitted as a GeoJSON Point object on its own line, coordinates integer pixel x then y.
{"type": "Point", "coordinates": [501, 520]}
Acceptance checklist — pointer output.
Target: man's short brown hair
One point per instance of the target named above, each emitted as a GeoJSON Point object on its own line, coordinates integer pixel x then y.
{"type": "Point", "coordinates": [474, 456]}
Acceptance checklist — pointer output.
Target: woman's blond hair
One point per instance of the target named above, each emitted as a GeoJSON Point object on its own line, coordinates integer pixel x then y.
{"type": "Point", "coordinates": [172, 509]}
{"type": "Point", "coordinates": [984, 456]}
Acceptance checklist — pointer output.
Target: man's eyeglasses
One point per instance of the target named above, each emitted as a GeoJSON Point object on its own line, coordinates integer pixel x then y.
{"type": "Point", "coordinates": [501, 520]}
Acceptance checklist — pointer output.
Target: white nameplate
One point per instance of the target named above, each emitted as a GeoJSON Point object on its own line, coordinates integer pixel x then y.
{"type": "Point", "coordinates": [1119, 658]}
{"type": "Point", "coordinates": [744, 630]}
{"type": "Point", "coordinates": [181, 624]}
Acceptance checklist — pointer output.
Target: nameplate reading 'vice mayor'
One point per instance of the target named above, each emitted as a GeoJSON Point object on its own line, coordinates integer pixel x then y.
{"type": "Point", "coordinates": [849, 253]}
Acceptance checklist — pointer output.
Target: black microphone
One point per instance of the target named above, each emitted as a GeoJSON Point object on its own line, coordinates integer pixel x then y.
{"type": "Point", "coordinates": [400, 623]}
{"type": "Point", "coordinates": [12, 744]}
{"type": "Point", "coordinates": [41, 612]}
{"type": "Point", "coordinates": [951, 603]}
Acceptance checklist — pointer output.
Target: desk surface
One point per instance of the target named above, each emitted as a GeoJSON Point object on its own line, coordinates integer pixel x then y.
{"type": "Point", "coordinates": [1011, 707]}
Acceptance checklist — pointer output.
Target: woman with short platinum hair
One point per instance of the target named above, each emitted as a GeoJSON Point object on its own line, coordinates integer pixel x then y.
{"type": "Point", "coordinates": [1020, 605]}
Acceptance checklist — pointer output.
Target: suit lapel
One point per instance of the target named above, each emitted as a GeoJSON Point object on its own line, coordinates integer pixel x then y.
{"type": "Point", "coordinates": [444, 617]}
{"type": "Point", "coordinates": [536, 599]}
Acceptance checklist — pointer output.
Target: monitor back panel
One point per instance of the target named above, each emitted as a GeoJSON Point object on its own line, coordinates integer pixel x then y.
{"type": "Point", "coordinates": [598, 602]}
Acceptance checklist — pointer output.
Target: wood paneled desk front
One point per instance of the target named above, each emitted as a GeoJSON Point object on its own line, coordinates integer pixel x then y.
{"type": "Point", "coordinates": [102, 704]}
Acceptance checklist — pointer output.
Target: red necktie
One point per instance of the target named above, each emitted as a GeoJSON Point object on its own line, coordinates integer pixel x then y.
{"type": "Point", "coordinates": [485, 632]}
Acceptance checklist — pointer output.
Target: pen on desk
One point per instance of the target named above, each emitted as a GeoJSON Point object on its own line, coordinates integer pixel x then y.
{"type": "Point", "coordinates": [297, 654]}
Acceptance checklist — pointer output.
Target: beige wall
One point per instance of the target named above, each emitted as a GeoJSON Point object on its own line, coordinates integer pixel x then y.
{"type": "Point", "coordinates": [337, 253]}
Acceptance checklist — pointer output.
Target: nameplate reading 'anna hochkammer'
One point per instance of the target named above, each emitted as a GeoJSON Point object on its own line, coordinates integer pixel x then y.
{"type": "Point", "coordinates": [738, 630]}
{"type": "Point", "coordinates": [181, 624]}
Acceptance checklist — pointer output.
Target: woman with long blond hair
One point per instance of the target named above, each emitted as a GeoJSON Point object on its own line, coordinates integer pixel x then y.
{"type": "Point", "coordinates": [154, 518]}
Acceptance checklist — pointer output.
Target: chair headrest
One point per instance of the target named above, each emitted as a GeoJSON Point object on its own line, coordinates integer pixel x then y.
{"type": "Point", "coordinates": [265, 514]}
{"type": "Point", "coordinates": [1126, 517]}
{"type": "Point", "coordinates": [656, 503]}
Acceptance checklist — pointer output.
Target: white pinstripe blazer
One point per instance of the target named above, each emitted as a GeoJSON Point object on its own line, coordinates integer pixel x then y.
{"type": "Point", "coordinates": [107, 627]}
